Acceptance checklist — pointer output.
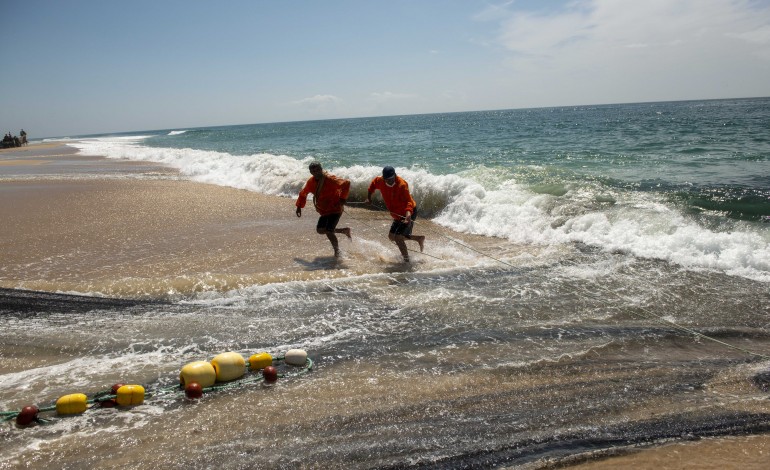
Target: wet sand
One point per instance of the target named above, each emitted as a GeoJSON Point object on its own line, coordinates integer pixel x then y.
{"type": "Point", "coordinates": [91, 230]}
{"type": "Point", "coordinates": [89, 235]}
{"type": "Point", "coordinates": [739, 452]}
{"type": "Point", "coordinates": [93, 225]}
{"type": "Point", "coordinates": [104, 227]}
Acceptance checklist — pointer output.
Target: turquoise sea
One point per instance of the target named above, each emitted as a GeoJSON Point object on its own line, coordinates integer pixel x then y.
{"type": "Point", "coordinates": [615, 294]}
{"type": "Point", "coordinates": [685, 182]}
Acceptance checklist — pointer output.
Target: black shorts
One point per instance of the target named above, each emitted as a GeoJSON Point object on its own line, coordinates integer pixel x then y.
{"type": "Point", "coordinates": [402, 228]}
{"type": "Point", "coordinates": [328, 222]}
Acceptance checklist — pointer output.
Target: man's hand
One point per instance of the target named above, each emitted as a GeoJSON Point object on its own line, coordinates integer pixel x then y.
{"type": "Point", "coordinates": [368, 201]}
{"type": "Point", "coordinates": [299, 212]}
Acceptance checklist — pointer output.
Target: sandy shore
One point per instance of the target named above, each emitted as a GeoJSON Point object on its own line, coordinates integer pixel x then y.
{"type": "Point", "coordinates": [125, 236]}
{"type": "Point", "coordinates": [85, 224]}
{"type": "Point", "coordinates": [127, 229]}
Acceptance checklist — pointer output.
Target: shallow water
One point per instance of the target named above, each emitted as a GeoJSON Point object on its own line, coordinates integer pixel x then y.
{"type": "Point", "coordinates": [595, 281]}
{"type": "Point", "coordinates": [685, 182]}
{"type": "Point", "coordinates": [452, 368]}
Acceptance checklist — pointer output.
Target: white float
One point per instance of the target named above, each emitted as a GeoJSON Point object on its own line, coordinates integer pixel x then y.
{"type": "Point", "coordinates": [296, 357]}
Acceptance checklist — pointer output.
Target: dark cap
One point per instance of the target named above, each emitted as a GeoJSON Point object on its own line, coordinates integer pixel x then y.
{"type": "Point", "coordinates": [388, 172]}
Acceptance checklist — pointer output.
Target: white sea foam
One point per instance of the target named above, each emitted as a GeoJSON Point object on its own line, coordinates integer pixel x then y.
{"type": "Point", "coordinates": [636, 224]}
{"type": "Point", "coordinates": [176, 132]}
{"type": "Point", "coordinates": [83, 373]}
{"type": "Point", "coordinates": [492, 204]}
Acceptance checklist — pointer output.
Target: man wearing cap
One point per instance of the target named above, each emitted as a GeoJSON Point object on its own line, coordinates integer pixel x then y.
{"type": "Point", "coordinates": [330, 194]}
{"type": "Point", "coordinates": [395, 193]}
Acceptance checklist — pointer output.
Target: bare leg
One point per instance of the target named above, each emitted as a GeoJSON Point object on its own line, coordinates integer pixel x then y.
{"type": "Point", "coordinates": [335, 244]}
{"type": "Point", "coordinates": [420, 239]}
{"type": "Point", "coordinates": [333, 239]}
{"type": "Point", "coordinates": [345, 230]}
{"type": "Point", "coordinates": [399, 239]}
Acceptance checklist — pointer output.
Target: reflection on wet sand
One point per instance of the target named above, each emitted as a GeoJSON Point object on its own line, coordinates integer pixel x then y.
{"type": "Point", "coordinates": [556, 358]}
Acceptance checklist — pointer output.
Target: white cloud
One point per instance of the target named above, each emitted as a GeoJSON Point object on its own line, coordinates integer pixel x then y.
{"type": "Point", "coordinates": [318, 101]}
{"type": "Point", "coordinates": [533, 35]}
{"type": "Point", "coordinates": [493, 12]}
{"type": "Point", "coordinates": [592, 25]}
{"type": "Point", "coordinates": [608, 50]}
{"type": "Point", "coordinates": [760, 35]}
{"type": "Point", "coordinates": [388, 96]}
{"type": "Point", "coordinates": [319, 106]}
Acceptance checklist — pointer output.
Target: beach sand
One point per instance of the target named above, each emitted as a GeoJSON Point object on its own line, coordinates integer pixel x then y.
{"type": "Point", "coordinates": [110, 236]}
{"type": "Point", "coordinates": [90, 225]}
{"type": "Point", "coordinates": [85, 224]}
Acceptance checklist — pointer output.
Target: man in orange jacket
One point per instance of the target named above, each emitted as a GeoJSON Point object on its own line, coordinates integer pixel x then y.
{"type": "Point", "coordinates": [330, 194]}
{"type": "Point", "coordinates": [398, 200]}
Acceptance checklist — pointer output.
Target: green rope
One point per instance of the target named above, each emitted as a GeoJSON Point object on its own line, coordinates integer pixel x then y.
{"type": "Point", "coordinates": [375, 229]}
{"type": "Point", "coordinates": [649, 315]}
{"type": "Point", "coordinates": [646, 313]}
{"type": "Point", "coordinates": [107, 395]}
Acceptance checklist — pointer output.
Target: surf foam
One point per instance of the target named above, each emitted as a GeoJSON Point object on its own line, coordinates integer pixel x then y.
{"type": "Point", "coordinates": [492, 203]}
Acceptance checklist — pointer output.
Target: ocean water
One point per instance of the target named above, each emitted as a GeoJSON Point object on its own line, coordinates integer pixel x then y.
{"type": "Point", "coordinates": [684, 182]}
{"type": "Point", "coordinates": [614, 293]}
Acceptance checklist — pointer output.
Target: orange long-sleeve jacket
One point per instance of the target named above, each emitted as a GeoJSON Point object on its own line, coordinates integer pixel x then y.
{"type": "Point", "coordinates": [326, 199]}
{"type": "Point", "coordinates": [397, 198]}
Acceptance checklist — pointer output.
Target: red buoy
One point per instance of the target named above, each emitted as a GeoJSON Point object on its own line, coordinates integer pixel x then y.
{"type": "Point", "coordinates": [193, 390]}
{"type": "Point", "coordinates": [27, 415]}
{"type": "Point", "coordinates": [270, 374]}
{"type": "Point", "coordinates": [111, 403]}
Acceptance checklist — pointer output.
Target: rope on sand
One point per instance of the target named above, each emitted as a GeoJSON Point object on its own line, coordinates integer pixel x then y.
{"type": "Point", "coordinates": [435, 232]}
{"type": "Point", "coordinates": [375, 229]}
{"type": "Point", "coordinates": [646, 313]}
{"type": "Point", "coordinates": [197, 378]}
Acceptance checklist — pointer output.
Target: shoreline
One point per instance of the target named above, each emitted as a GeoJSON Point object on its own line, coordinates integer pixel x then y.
{"type": "Point", "coordinates": [138, 230]}
{"type": "Point", "coordinates": [96, 226]}
{"type": "Point", "coordinates": [128, 229]}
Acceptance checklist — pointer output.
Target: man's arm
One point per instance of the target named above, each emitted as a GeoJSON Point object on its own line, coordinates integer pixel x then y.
{"type": "Point", "coordinates": [302, 198]}
{"type": "Point", "coordinates": [371, 190]}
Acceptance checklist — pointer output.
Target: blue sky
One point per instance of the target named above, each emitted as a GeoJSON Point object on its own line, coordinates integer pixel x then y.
{"type": "Point", "coordinates": [81, 67]}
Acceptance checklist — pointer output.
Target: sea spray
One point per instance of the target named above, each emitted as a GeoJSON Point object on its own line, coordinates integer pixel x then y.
{"type": "Point", "coordinates": [494, 202]}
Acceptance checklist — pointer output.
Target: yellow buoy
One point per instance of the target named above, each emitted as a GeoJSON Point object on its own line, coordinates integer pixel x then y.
{"type": "Point", "coordinates": [229, 366]}
{"type": "Point", "coordinates": [296, 357]}
{"type": "Point", "coordinates": [128, 395]}
{"type": "Point", "coordinates": [72, 404]}
{"type": "Point", "coordinates": [199, 371]}
{"type": "Point", "coordinates": [260, 360]}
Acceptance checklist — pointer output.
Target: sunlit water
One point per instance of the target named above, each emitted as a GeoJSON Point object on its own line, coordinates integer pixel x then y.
{"type": "Point", "coordinates": [620, 297]}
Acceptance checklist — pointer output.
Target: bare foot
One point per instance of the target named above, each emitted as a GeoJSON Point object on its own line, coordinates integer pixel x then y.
{"type": "Point", "coordinates": [346, 231]}
{"type": "Point", "coordinates": [421, 242]}
{"type": "Point", "coordinates": [336, 253]}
